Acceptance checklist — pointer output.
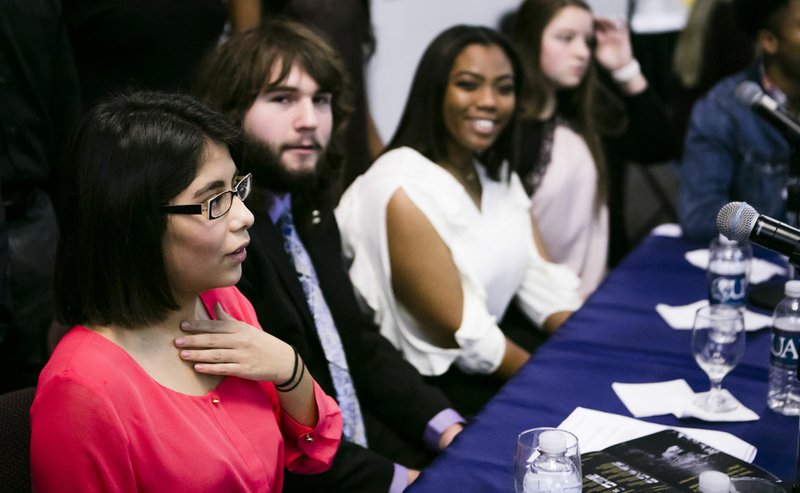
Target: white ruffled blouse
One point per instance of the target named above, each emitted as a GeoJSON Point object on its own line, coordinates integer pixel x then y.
{"type": "Point", "coordinates": [492, 248]}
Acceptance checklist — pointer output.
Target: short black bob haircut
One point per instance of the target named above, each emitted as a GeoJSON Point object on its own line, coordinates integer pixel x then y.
{"type": "Point", "coordinates": [129, 155]}
{"type": "Point", "coordinates": [422, 126]}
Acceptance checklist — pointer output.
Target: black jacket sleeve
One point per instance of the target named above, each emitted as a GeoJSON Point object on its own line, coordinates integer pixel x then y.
{"type": "Point", "coordinates": [649, 136]}
{"type": "Point", "coordinates": [354, 469]}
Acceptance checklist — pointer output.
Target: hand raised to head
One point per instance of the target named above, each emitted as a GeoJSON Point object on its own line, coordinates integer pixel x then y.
{"type": "Point", "coordinates": [227, 346]}
{"type": "Point", "coordinates": [613, 44]}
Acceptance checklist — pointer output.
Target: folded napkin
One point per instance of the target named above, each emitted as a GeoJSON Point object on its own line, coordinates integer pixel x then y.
{"type": "Point", "coordinates": [682, 317]}
{"type": "Point", "coordinates": [670, 230]}
{"type": "Point", "coordinates": [760, 269]}
{"type": "Point", "coordinates": [673, 397]}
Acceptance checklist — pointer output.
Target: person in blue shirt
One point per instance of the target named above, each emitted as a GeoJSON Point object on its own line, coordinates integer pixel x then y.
{"type": "Point", "coordinates": [730, 153]}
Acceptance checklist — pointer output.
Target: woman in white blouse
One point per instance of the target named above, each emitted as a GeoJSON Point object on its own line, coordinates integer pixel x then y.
{"type": "Point", "coordinates": [439, 228]}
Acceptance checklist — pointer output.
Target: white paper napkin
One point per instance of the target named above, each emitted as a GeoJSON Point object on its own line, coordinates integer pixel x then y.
{"type": "Point", "coordinates": [673, 397]}
{"type": "Point", "coordinates": [682, 317]}
{"type": "Point", "coordinates": [760, 269]}
{"type": "Point", "coordinates": [654, 399]}
{"type": "Point", "coordinates": [671, 230]}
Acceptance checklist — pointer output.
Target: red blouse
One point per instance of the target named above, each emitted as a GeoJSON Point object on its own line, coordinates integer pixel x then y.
{"type": "Point", "coordinates": [101, 423]}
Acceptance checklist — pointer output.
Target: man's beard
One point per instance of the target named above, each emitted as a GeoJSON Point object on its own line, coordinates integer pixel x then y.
{"type": "Point", "coordinates": [261, 160]}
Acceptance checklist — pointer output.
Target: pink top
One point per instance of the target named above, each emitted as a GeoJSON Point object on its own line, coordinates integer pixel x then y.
{"type": "Point", "coordinates": [101, 423]}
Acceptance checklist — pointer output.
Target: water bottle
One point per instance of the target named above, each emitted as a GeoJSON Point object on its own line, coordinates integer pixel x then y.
{"type": "Point", "coordinates": [714, 482]}
{"type": "Point", "coordinates": [728, 266]}
{"type": "Point", "coordinates": [784, 389]}
{"type": "Point", "coordinates": [551, 471]}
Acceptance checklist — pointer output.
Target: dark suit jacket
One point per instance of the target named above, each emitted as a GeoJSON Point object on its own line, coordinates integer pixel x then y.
{"type": "Point", "coordinates": [395, 401]}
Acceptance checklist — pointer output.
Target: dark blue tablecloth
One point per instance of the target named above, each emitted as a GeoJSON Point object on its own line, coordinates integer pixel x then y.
{"type": "Point", "coordinates": [616, 336]}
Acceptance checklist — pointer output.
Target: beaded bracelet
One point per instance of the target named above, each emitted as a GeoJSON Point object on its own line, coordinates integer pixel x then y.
{"type": "Point", "coordinates": [300, 379]}
{"type": "Point", "coordinates": [294, 371]}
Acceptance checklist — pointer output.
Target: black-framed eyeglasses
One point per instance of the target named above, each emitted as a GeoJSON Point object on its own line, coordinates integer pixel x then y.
{"type": "Point", "coordinates": [218, 205]}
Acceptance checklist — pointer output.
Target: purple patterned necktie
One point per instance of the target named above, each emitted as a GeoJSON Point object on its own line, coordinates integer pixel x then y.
{"type": "Point", "coordinates": [353, 423]}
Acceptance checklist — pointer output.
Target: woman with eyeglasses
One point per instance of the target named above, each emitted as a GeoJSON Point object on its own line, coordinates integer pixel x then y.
{"type": "Point", "coordinates": [165, 381]}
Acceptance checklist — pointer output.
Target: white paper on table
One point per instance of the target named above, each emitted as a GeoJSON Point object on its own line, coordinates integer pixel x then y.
{"type": "Point", "coordinates": [760, 269]}
{"type": "Point", "coordinates": [674, 397]}
{"type": "Point", "coordinates": [682, 317]}
{"type": "Point", "coordinates": [597, 430]}
{"type": "Point", "coordinates": [670, 230]}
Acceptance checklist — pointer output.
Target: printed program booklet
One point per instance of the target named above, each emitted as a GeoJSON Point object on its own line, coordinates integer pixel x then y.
{"type": "Point", "coordinates": [667, 461]}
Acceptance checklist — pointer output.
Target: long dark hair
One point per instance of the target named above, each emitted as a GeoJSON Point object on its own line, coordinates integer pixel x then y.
{"type": "Point", "coordinates": [129, 155]}
{"type": "Point", "coordinates": [422, 123]}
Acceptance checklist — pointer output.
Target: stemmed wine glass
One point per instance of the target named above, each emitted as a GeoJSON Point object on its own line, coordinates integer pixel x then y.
{"type": "Point", "coordinates": [718, 340]}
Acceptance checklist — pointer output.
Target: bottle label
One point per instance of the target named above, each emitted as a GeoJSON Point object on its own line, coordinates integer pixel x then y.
{"type": "Point", "coordinates": [784, 348]}
{"type": "Point", "coordinates": [727, 289]}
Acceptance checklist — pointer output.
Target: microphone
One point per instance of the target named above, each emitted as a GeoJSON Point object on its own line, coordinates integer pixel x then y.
{"type": "Point", "coordinates": [740, 222]}
{"type": "Point", "coordinates": [751, 95]}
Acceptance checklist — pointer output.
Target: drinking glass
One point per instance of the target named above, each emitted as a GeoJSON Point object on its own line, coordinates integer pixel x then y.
{"type": "Point", "coordinates": [718, 340]}
{"type": "Point", "coordinates": [528, 451]}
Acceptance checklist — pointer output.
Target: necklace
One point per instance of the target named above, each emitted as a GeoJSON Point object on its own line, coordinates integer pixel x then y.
{"type": "Point", "coordinates": [465, 173]}
{"type": "Point", "coordinates": [467, 176]}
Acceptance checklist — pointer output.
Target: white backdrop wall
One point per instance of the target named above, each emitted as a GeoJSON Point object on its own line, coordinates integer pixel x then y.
{"type": "Point", "coordinates": [404, 28]}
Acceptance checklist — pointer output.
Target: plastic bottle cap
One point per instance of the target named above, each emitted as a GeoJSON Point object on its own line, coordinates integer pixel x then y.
{"type": "Point", "coordinates": [714, 482]}
{"type": "Point", "coordinates": [722, 240]}
{"type": "Point", "coordinates": [552, 442]}
{"type": "Point", "coordinates": [792, 289]}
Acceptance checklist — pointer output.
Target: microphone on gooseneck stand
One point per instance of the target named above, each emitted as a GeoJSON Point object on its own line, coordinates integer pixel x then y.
{"type": "Point", "coordinates": [751, 95]}
{"type": "Point", "coordinates": [741, 222]}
